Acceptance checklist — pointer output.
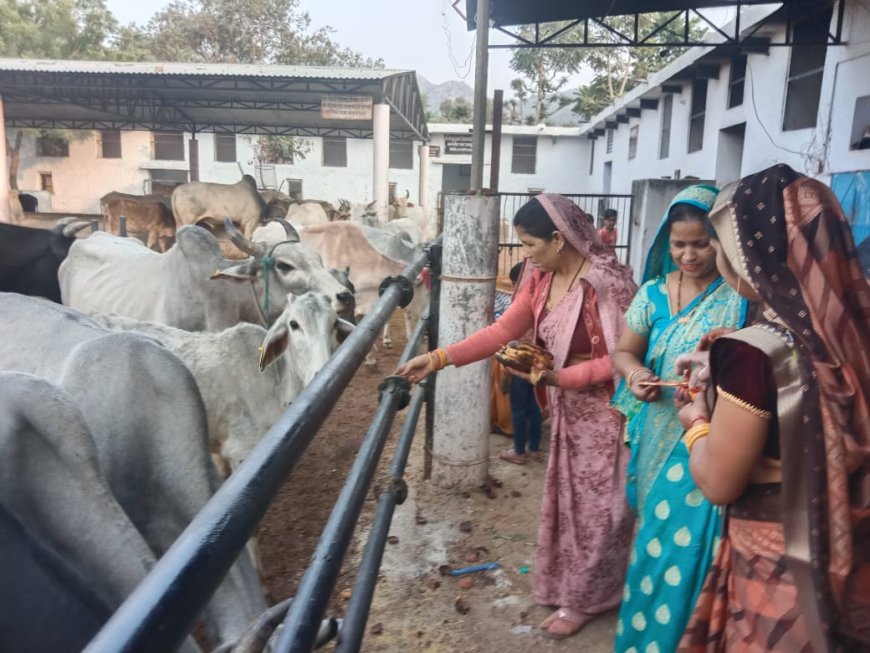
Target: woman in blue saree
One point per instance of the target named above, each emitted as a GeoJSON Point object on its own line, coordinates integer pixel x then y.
{"type": "Point", "coordinates": [682, 298]}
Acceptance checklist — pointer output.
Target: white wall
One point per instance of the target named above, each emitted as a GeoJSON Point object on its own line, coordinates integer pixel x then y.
{"type": "Point", "coordinates": [817, 152]}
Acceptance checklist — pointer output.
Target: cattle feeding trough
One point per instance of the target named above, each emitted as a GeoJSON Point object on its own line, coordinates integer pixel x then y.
{"type": "Point", "coordinates": [161, 610]}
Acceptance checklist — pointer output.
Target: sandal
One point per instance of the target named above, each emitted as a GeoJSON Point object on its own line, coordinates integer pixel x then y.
{"type": "Point", "coordinates": [564, 622]}
{"type": "Point", "coordinates": [512, 456]}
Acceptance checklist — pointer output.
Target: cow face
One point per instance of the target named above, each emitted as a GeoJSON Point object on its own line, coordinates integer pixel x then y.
{"type": "Point", "coordinates": [307, 331]}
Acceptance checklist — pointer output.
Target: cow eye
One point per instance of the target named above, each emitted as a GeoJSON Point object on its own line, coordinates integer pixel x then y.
{"type": "Point", "coordinates": [284, 267]}
{"type": "Point", "coordinates": [294, 325]}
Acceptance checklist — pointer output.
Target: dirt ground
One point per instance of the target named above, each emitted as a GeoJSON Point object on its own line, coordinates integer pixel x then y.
{"type": "Point", "coordinates": [415, 607]}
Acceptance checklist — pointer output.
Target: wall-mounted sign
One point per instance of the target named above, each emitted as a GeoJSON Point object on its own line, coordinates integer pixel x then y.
{"type": "Point", "coordinates": [346, 107]}
{"type": "Point", "coordinates": [457, 144]}
{"type": "Point", "coordinates": [434, 151]}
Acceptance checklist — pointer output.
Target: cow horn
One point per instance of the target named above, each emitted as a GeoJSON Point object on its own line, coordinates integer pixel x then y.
{"type": "Point", "coordinates": [257, 250]}
{"type": "Point", "coordinates": [407, 194]}
{"type": "Point", "coordinates": [344, 328]}
{"type": "Point", "coordinates": [73, 228]}
{"type": "Point", "coordinates": [289, 230]}
{"type": "Point", "coordinates": [255, 639]}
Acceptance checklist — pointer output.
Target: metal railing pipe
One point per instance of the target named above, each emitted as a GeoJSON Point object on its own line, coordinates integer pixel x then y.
{"type": "Point", "coordinates": [161, 610]}
{"type": "Point", "coordinates": [355, 618]}
{"type": "Point", "coordinates": [312, 596]}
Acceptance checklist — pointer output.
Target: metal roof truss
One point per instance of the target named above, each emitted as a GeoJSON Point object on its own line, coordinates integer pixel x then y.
{"type": "Point", "coordinates": [576, 33]}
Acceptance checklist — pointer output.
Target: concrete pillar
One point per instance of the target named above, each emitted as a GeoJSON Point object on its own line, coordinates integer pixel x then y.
{"type": "Point", "coordinates": [193, 156]}
{"type": "Point", "coordinates": [468, 270]}
{"type": "Point", "coordinates": [422, 193]}
{"type": "Point", "coordinates": [381, 162]}
{"type": "Point", "coordinates": [4, 168]}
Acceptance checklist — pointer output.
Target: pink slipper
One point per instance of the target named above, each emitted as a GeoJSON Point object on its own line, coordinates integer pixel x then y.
{"type": "Point", "coordinates": [512, 456]}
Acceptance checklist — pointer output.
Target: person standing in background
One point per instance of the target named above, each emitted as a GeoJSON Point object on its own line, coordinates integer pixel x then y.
{"type": "Point", "coordinates": [608, 233]}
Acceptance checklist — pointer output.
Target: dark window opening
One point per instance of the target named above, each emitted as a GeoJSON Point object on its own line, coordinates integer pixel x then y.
{"type": "Point", "coordinates": [52, 145]}
{"type": "Point", "coordinates": [334, 152]}
{"type": "Point", "coordinates": [698, 114]}
{"type": "Point", "coordinates": [402, 155]}
{"type": "Point", "coordinates": [168, 146]}
{"type": "Point", "coordinates": [805, 71]}
{"type": "Point", "coordinates": [225, 148]}
{"type": "Point", "coordinates": [738, 79]}
{"type": "Point", "coordinates": [110, 144]}
{"type": "Point", "coordinates": [524, 156]}
{"type": "Point", "coordinates": [667, 112]}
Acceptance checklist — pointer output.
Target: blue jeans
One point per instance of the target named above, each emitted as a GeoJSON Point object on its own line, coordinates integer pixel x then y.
{"type": "Point", "coordinates": [525, 415]}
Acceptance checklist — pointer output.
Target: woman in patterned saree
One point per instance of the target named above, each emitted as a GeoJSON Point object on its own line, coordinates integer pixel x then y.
{"type": "Point", "coordinates": [573, 303]}
{"type": "Point", "coordinates": [787, 445]}
{"type": "Point", "coordinates": [683, 297]}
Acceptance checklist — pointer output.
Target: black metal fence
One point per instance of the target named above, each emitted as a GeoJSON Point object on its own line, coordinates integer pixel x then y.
{"type": "Point", "coordinates": [510, 249]}
{"type": "Point", "coordinates": [160, 612]}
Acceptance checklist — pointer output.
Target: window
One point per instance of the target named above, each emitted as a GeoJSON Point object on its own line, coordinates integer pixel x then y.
{"type": "Point", "coordinates": [110, 144]}
{"type": "Point", "coordinates": [632, 141]}
{"type": "Point", "coordinates": [294, 188]}
{"type": "Point", "coordinates": [592, 157]}
{"type": "Point", "coordinates": [225, 148]}
{"type": "Point", "coordinates": [665, 133]}
{"type": "Point", "coordinates": [51, 145]}
{"type": "Point", "coordinates": [46, 183]}
{"type": "Point", "coordinates": [738, 78]}
{"type": "Point", "coordinates": [861, 125]}
{"type": "Point", "coordinates": [168, 146]}
{"type": "Point", "coordinates": [696, 119]}
{"type": "Point", "coordinates": [334, 152]}
{"type": "Point", "coordinates": [402, 155]}
{"type": "Point", "coordinates": [391, 193]}
{"type": "Point", "coordinates": [524, 155]}
{"type": "Point", "coordinates": [163, 182]}
{"type": "Point", "coordinates": [610, 141]}
{"type": "Point", "coordinates": [805, 72]}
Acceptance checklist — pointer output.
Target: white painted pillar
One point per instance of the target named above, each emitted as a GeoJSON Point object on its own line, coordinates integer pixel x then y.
{"type": "Point", "coordinates": [381, 163]}
{"type": "Point", "coordinates": [468, 270]}
{"type": "Point", "coordinates": [4, 168]}
{"type": "Point", "coordinates": [422, 193]}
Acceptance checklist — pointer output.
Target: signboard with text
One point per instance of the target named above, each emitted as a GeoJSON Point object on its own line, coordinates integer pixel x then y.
{"type": "Point", "coordinates": [457, 144]}
{"type": "Point", "coordinates": [346, 107]}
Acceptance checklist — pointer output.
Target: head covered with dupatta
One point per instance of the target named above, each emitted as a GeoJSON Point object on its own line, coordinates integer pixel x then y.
{"type": "Point", "coordinates": [658, 259]}
{"type": "Point", "coordinates": [786, 236]}
{"type": "Point", "coordinates": [611, 280]}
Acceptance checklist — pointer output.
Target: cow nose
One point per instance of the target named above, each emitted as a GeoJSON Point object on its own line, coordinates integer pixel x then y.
{"type": "Point", "coordinates": [345, 298]}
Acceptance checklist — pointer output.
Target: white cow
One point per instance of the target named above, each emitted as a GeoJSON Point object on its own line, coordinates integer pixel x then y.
{"type": "Point", "coordinates": [55, 502]}
{"type": "Point", "coordinates": [112, 275]}
{"type": "Point", "coordinates": [345, 244]}
{"type": "Point", "coordinates": [308, 213]}
{"type": "Point", "coordinates": [246, 375]}
{"type": "Point", "coordinates": [145, 413]}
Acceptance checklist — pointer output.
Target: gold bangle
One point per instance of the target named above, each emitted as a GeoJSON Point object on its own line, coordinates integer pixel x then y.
{"type": "Point", "coordinates": [633, 372]}
{"type": "Point", "coordinates": [438, 359]}
{"type": "Point", "coordinates": [694, 434]}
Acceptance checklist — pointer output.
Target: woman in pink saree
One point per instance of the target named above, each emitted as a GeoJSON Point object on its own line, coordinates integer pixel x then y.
{"type": "Point", "coordinates": [573, 303]}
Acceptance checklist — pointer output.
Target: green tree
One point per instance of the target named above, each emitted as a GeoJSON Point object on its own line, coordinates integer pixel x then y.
{"type": "Point", "coordinates": [456, 110]}
{"type": "Point", "coordinates": [619, 69]}
{"type": "Point", "coordinates": [245, 31]}
{"type": "Point", "coordinates": [544, 72]}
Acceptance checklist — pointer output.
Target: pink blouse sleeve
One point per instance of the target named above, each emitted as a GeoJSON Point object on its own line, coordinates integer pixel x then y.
{"type": "Point", "coordinates": [595, 372]}
{"type": "Point", "coordinates": [513, 324]}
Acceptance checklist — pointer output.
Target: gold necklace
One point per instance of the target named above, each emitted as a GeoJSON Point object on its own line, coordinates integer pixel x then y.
{"type": "Point", "coordinates": [549, 303]}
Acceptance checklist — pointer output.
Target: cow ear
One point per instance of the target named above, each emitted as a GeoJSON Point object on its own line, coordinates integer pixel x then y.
{"type": "Point", "coordinates": [247, 271]}
{"type": "Point", "coordinates": [274, 344]}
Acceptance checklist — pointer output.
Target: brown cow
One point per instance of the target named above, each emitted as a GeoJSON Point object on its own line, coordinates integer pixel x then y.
{"type": "Point", "coordinates": [149, 217]}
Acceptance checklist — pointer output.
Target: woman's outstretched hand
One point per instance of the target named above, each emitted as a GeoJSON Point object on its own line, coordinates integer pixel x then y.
{"type": "Point", "coordinates": [695, 367]}
{"type": "Point", "coordinates": [416, 369]}
{"type": "Point", "coordinates": [646, 393]}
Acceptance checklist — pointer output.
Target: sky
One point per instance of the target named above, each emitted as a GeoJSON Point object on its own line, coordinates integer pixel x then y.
{"type": "Point", "coordinates": [423, 35]}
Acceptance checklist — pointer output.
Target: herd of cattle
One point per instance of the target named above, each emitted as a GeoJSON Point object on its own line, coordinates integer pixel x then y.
{"type": "Point", "coordinates": [130, 379]}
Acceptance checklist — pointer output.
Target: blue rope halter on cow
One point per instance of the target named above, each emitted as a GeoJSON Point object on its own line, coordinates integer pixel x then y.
{"type": "Point", "coordinates": [268, 262]}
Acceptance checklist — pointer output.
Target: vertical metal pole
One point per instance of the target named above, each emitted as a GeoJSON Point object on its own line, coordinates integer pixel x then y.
{"type": "Point", "coordinates": [495, 157]}
{"type": "Point", "coordinates": [481, 64]}
{"type": "Point", "coordinates": [4, 169]}
{"type": "Point", "coordinates": [122, 226]}
{"type": "Point", "coordinates": [193, 155]}
{"type": "Point", "coordinates": [423, 190]}
{"type": "Point", "coordinates": [432, 341]}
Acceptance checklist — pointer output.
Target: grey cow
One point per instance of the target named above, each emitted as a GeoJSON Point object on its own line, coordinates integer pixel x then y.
{"type": "Point", "coordinates": [146, 416]}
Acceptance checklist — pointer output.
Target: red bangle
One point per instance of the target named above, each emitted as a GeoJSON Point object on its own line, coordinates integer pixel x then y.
{"type": "Point", "coordinates": [699, 418]}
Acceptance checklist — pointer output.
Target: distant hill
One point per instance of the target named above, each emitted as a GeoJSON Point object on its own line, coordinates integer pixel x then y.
{"type": "Point", "coordinates": [436, 93]}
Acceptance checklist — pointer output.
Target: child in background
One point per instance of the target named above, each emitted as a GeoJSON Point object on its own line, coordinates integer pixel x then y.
{"type": "Point", "coordinates": [608, 231]}
{"type": "Point", "coordinates": [525, 412]}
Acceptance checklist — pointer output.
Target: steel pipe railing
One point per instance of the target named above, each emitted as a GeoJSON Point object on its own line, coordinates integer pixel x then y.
{"type": "Point", "coordinates": [162, 609]}
{"type": "Point", "coordinates": [312, 596]}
